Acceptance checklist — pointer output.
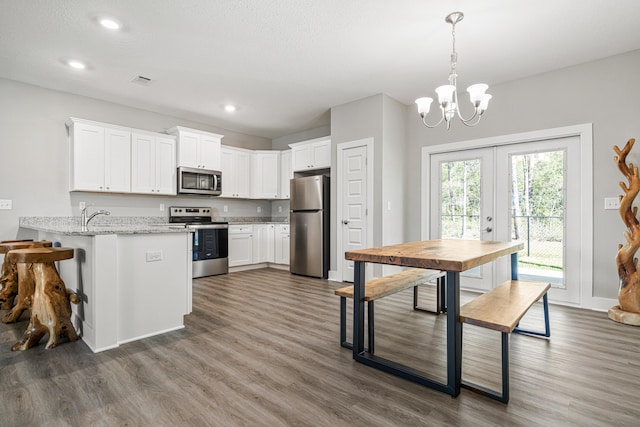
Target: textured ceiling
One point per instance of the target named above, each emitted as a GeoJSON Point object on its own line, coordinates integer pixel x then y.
{"type": "Point", "coordinates": [285, 63]}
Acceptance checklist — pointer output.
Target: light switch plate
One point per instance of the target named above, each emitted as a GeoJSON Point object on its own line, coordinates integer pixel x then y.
{"type": "Point", "coordinates": [6, 204]}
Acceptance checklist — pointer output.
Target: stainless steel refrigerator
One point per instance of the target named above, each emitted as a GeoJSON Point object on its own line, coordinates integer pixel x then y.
{"type": "Point", "coordinates": [310, 226]}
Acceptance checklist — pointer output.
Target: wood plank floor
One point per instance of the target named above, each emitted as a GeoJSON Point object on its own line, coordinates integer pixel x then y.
{"type": "Point", "coordinates": [261, 349]}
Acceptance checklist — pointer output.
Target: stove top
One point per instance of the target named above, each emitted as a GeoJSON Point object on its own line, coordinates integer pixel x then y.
{"type": "Point", "coordinates": [191, 216]}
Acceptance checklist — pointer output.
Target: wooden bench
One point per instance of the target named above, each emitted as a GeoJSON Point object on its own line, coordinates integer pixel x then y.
{"type": "Point", "coordinates": [382, 287]}
{"type": "Point", "coordinates": [501, 309]}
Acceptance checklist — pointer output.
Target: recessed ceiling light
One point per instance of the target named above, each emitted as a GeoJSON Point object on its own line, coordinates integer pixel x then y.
{"type": "Point", "coordinates": [76, 64]}
{"type": "Point", "coordinates": [230, 108]}
{"type": "Point", "coordinates": [110, 23]}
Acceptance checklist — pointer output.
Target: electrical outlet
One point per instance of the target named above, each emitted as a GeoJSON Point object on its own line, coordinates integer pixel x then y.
{"type": "Point", "coordinates": [611, 203]}
{"type": "Point", "coordinates": [279, 209]}
{"type": "Point", "coordinates": [161, 207]}
{"type": "Point", "coordinates": [82, 205]}
{"type": "Point", "coordinates": [225, 208]}
{"type": "Point", "coordinates": [154, 256]}
{"type": "Point", "coordinates": [6, 204]}
{"type": "Point", "coordinates": [259, 209]}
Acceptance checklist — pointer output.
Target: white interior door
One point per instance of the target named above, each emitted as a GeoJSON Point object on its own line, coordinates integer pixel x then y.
{"type": "Point", "coordinates": [462, 204]}
{"type": "Point", "coordinates": [353, 198]}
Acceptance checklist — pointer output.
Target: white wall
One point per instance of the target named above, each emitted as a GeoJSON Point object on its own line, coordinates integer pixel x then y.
{"type": "Point", "coordinates": [605, 93]}
{"type": "Point", "coordinates": [35, 157]}
{"type": "Point", "coordinates": [349, 122]}
{"type": "Point", "coordinates": [384, 119]}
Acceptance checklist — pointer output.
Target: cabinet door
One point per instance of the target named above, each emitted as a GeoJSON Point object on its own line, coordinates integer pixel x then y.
{"type": "Point", "coordinates": [165, 166]}
{"type": "Point", "coordinates": [227, 168]}
{"type": "Point", "coordinates": [117, 168]}
{"type": "Point", "coordinates": [242, 172]}
{"type": "Point", "coordinates": [240, 249]}
{"type": "Point", "coordinates": [269, 243]}
{"type": "Point", "coordinates": [87, 147]}
{"type": "Point", "coordinates": [188, 150]}
{"type": "Point", "coordinates": [321, 154]}
{"type": "Point", "coordinates": [210, 152]}
{"type": "Point", "coordinates": [286, 174]}
{"type": "Point", "coordinates": [265, 175]}
{"type": "Point", "coordinates": [282, 244]}
{"type": "Point", "coordinates": [143, 168]}
{"type": "Point", "coordinates": [301, 158]}
{"type": "Point", "coordinates": [259, 243]}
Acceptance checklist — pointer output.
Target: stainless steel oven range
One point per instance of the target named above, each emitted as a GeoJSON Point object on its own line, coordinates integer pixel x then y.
{"type": "Point", "coordinates": [210, 239]}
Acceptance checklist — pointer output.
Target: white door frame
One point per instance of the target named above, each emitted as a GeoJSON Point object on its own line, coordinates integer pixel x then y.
{"type": "Point", "coordinates": [368, 143]}
{"type": "Point", "coordinates": [585, 133]}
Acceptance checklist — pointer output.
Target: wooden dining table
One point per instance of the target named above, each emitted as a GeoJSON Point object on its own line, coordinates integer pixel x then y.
{"type": "Point", "coordinates": [451, 255]}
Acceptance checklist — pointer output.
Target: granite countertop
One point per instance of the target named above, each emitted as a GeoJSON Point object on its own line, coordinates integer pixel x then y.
{"type": "Point", "coordinates": [115, 225]}
{"type": "Point", "coordinates": [70, 225]}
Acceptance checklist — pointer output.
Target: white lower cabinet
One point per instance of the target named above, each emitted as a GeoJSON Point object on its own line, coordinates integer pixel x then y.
{"type": "Point", "coordinates": [258, 244]}
{"type": "Point", "coordinates": [263, 243]}
{"type": "Point", "coordinates": [282, 244]}
{"type": "Point", "coordinates": [240, 245]}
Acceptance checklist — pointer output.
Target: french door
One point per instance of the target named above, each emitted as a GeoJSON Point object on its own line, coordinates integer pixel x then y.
{"type": "Point", "coordinates": [527, 192]}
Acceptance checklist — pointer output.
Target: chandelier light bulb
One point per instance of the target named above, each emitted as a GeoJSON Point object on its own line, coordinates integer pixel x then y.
{"type": "Point", "coordinates": [448, 94]}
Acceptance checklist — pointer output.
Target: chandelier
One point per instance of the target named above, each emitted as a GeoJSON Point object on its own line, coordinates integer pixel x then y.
{"type": "Point", "coordinates": [448, 94]}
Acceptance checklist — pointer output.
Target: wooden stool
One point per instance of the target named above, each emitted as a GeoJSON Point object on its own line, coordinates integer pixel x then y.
{"type": "Point", "coordinates": [51, 308]}
{"type": "Point", "coordinates": [9, 274]}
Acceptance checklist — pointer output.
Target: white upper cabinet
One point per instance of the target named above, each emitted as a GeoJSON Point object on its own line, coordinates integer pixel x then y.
{"type": "Point", "coordinates": [100, 157]}
{"type": "Point", "coordinates": [286, 174]}
{"type": "Point", "coordinates": [236, 172]}
{"type": "Point", "coordinates": [265, 172]}
{"type": "Point", "coordinates": [198, 149]}
{"type": "Point", "coordinates": [153, 163]}
{"type": "Point", "coordinates": [312, 154]}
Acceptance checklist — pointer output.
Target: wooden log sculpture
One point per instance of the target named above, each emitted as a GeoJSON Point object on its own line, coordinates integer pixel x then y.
{"type": "Point", "coordinates": [51, 308]}
{"type": "Point", "coordinates": [9, 275]}
{"type": "Point", "coordinates": [629, 293]}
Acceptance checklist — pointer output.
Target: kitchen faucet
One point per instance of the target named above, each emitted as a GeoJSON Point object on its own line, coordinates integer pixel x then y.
{"type": "Point", "coordinates": [84, 221]}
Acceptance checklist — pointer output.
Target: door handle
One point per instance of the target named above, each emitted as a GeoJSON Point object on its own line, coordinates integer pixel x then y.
{"type": "Point", "coordinates": [488, 229]}
{"type": "Point", "coordinates": [345, 222]}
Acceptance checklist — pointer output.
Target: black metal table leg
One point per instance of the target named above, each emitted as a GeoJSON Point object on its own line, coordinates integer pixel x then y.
{"type": "Point", "coordinates": [454, 334]}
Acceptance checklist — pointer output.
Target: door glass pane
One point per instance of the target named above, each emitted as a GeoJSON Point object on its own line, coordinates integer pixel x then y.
{"type": "Point", "coordinates": [460, 212]}
{"type": "Point", "coordinates": [460, 204]}
{"type": "Point", "coordinates": [537, 220]}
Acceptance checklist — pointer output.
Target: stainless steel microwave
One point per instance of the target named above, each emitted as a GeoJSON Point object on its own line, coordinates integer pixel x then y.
{"type": "Point", "coordinates": [199, 181]}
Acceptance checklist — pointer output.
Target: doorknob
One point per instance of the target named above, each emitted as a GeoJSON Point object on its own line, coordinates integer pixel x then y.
{"type": "Point", "coordinates": [488, 229]}
{"type": "Point", "coordinates": [345, 222]}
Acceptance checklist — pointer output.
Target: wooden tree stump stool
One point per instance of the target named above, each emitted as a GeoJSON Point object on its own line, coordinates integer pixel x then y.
{"type": "Point", "coordinates": [9, 274]}
{"type": "Point", "coordinates": [50, 308]}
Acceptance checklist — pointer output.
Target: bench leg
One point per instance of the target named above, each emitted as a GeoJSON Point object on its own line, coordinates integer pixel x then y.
{"type": "Point", "coordinates": [370, 325]}
{"type": "Point", "coordinates": [440, 297]}
{"type": "Point", "coordinates": [343, 324]}
{"type": "Point", "coordinates": [504, 395]}
{"type": "Point", "coordinates": [547, 330]}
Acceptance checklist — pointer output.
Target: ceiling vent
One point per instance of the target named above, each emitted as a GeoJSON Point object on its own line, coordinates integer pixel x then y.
{"type": "Point", "coordinates": [142, 80]}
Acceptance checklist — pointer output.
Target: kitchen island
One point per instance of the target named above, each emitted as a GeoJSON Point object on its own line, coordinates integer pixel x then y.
{"type": "Point", "coordinates": [133, 277]}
